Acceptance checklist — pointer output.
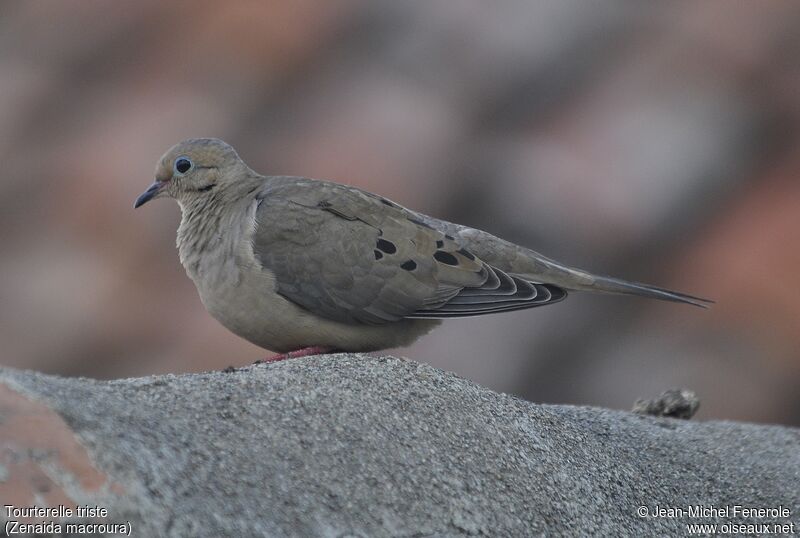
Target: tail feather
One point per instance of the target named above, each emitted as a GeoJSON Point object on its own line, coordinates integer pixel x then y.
{"type": "Point", "coordinates": [605, 284]}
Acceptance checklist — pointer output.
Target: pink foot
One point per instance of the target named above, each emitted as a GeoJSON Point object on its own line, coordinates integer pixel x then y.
{"type": "Point", "coordinates": [302, 352]}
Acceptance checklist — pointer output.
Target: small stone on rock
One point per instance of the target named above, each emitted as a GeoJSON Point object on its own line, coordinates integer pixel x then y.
{"type": "Point", "coordinates": [673, 403]}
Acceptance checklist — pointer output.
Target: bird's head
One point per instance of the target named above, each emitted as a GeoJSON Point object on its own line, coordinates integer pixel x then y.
{"type": "Point", "coordinates": [193, 168]}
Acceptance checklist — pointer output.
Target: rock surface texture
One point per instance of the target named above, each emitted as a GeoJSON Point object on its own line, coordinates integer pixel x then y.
{"type": "Point", "coordinates": [353, 445]}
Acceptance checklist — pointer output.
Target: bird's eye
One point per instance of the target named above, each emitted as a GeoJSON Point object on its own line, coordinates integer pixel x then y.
{"type": "Point", "coordinates": [182, 165]}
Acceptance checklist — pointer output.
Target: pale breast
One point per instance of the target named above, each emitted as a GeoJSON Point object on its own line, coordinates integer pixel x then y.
{"type": "Point", "coordinates": [240, 293]}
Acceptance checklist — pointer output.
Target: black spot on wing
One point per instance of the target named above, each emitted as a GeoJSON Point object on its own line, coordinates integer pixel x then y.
{"type": "Point", "coordinates": [386, 246]}
{"type": "Point", "coordinates": [409, 265]}
{"type": "Point", "coordinates": [378, 254]}
{"type": "Point", "coordinates": [439, 243]}
{"type": "Point", "coordinates": [445, 257]}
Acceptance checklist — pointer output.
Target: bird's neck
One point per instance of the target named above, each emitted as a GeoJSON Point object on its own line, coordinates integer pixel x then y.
{"type": "Point", "coordinates": [210, 231]}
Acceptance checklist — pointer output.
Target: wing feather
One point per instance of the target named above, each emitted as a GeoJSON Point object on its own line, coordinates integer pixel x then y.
{"type": "Point", "coordinates": [354, 257]}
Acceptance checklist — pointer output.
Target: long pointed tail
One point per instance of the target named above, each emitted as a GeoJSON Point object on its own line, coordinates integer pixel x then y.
{"type": "Point", "coordinates": [534, 267]}
{"type": "Point", "coordinates": [604, 284]}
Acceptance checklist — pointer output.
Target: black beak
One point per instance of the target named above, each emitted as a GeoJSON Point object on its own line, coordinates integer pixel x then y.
{"type": "Point", "coordinates": [149, 194]}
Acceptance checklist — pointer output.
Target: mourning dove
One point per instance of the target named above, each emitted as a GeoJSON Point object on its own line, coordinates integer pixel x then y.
{"type": "Point", "coordinates": [302, 266]}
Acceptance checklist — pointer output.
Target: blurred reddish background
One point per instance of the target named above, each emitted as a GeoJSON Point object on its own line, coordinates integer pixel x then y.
{"type": "Point", "coordinates": [652, 141]}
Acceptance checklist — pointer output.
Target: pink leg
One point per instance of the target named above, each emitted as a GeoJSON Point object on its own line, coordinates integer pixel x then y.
{"type": "Point", "coordinates": [302, 352]}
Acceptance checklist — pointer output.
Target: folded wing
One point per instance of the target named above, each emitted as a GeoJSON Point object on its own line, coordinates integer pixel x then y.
{"type": "Point", "coordinates": [354, 257]}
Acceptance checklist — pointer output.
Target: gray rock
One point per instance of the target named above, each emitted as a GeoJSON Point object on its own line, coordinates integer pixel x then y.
{"type": "Point", "coordinates": [353, 445]}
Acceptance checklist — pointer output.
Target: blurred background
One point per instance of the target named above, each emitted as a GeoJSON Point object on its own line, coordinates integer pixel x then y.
{"type": "Point", "coordinates": [652, 141]}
